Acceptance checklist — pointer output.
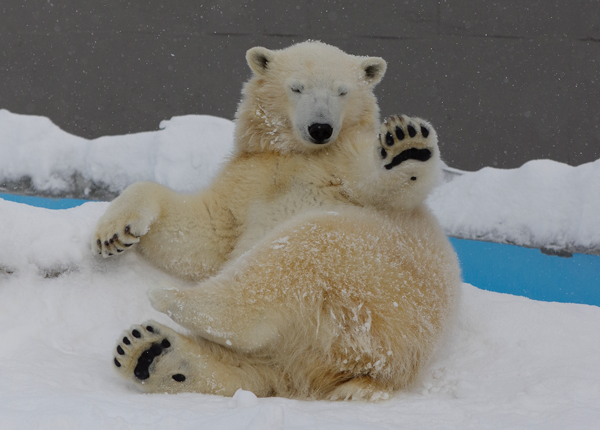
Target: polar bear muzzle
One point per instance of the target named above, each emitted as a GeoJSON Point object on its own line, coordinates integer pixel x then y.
{"type": "Point", "coordinates": [320, 133]}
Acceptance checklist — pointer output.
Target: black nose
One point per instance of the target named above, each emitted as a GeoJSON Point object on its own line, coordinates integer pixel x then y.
{"type": "Point", "coordinates": [320, 132]}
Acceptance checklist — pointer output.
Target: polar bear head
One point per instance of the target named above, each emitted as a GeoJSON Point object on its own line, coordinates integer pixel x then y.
{"type": "Point", "coordinates": [305, 98]}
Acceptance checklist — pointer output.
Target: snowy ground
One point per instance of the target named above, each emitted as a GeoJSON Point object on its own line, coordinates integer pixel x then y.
{"type": "Point", "coordinates": [509, 363]}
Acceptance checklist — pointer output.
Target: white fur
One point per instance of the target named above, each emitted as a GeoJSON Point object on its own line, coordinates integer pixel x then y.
{"type": "Point", "coordinates": [322, 274]}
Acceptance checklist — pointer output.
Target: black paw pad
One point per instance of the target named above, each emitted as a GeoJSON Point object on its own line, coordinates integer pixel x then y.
{"type": "Point", "coordinates": [126, 341]}
{"type": "Point", "coordinates": [383, 153]}
{"type": "Point", "coordinates": [413, 178]}
{"type": "Point", "coordinates": [389, 139]}
{"type": "Point", "coordinates": [136, 334]}
{"type": "Point", "coordinates": [141, 371]}
{"type": "Point", "coordinates": [165, 343]}
{"type": "Point", "coordinates": [179, 377]}
{"type": "Point", "coordinates": [150, 329]}
{"type": "Point", "coordinates": [424, 131]}
{"type": "Point", "coordinates": [117, 363]}
{"type": "Point", "coordinates": [411, 131]}
{"type": "Point", "coordinates": [409, 154]}
{"type": "Point", "coordinates": [120, 350]}
{"type": "Point", "coordinates": [99, 242]}
{"type": "Point", "coordinates": [399, 133]}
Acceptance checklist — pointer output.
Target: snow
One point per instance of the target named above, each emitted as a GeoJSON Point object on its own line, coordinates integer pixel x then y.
{"type": "Point", "coordinates": [541, 204]}
{"type": "Point", "coordinates": [59, 163]}
{"type": "Point", "coordinates": [509, 362]}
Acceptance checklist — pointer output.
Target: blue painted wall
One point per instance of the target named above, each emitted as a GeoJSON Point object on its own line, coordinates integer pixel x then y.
{"type": "Point", "coordinates": [527, 272]}
{"type": "Point", "coordinates": [44, 202]}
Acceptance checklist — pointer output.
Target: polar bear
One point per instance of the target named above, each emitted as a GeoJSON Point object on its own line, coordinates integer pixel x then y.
{"type": "Point", "coordinates": [305, 117]}
{"type": "Point", "coordinates": [321, 273]}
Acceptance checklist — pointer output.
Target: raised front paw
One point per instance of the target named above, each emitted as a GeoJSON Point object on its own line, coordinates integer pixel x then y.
{"type": "Point", "coordinates": [403, 138]}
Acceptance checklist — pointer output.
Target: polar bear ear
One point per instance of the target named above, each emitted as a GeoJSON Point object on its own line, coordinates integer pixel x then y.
{"type": "Point", "coordinates": [374, 69]}
{"type": "Point", "coordinates": [259, 58]}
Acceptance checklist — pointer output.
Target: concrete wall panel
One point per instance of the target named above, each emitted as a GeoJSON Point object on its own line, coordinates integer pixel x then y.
{"type": "Point", "coordinates": [504, 82]}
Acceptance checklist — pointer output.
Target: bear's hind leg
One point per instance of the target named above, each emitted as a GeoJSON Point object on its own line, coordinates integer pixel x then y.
{"type": "Point", "coordinates": [222, 311]}
{"type": "Point", "coordinates": [361, 388]}
{"type": "Point", "coordinates": [160, 360]}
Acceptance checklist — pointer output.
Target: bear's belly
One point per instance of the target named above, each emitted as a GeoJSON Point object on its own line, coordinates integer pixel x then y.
{"type": "Point", "coordinates": [263, 216]}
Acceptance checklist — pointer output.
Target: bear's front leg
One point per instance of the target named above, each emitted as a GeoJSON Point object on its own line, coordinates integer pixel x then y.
{"type": "Point", "coordinates": [128, 218]}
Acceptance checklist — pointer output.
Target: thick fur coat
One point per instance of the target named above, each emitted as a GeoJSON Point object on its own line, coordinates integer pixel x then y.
{"type": "Point", "coordinates": [321, 274]}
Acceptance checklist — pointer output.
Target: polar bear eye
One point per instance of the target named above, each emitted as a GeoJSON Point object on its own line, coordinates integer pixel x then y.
{"type": "Point", "coordinates": [343, 92]}
{"type": "Point", "coordinates": [297, 89]}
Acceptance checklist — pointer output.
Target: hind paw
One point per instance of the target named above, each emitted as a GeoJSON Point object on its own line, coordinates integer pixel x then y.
{"type": "Point", "coordinates": [150, 355]}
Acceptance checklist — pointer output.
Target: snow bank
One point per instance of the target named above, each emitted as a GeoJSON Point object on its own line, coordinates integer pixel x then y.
{"type": "Point", "coordinates": [543, 204]}
{"type": "Point", "coordinates": [509, 363]}
{"type": "Point", "coordinates": [38, 156]}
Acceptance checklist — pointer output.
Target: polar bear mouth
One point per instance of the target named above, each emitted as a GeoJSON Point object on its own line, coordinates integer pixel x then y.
{"type": "Point", "coordinates": [409, 154]}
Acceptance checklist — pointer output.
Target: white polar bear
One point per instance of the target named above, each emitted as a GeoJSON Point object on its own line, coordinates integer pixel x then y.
{"type": "Point", "coordinates": [323, 275]}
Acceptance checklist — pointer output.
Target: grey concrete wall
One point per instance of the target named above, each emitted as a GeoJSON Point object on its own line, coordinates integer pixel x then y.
{"type": "Point", "coordinates": [504, 81]}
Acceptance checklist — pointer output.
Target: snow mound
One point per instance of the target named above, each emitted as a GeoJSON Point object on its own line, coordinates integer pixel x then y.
{"type": "Point", "coordinates": [37, 156]}
{"type": "Point", "coordinates": [509, 362]}
{"type": "Point", "coordinates": [543, 204]}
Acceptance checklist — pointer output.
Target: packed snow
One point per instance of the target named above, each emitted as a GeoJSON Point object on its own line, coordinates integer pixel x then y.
{"type": "Point", "coordinates": [39, 156]}
{"type": "Point", "coordinates": [508, 362]}
{"type": "Point", "coordinates": [542, 204]}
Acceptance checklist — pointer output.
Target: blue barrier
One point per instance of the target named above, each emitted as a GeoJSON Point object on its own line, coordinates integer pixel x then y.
{"type": "Point", "coordinates": [489, 266]}
{"type": "Point", "coordinates": [44, 202]}
{"type": "Point", "coordinates": [527, 272]}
